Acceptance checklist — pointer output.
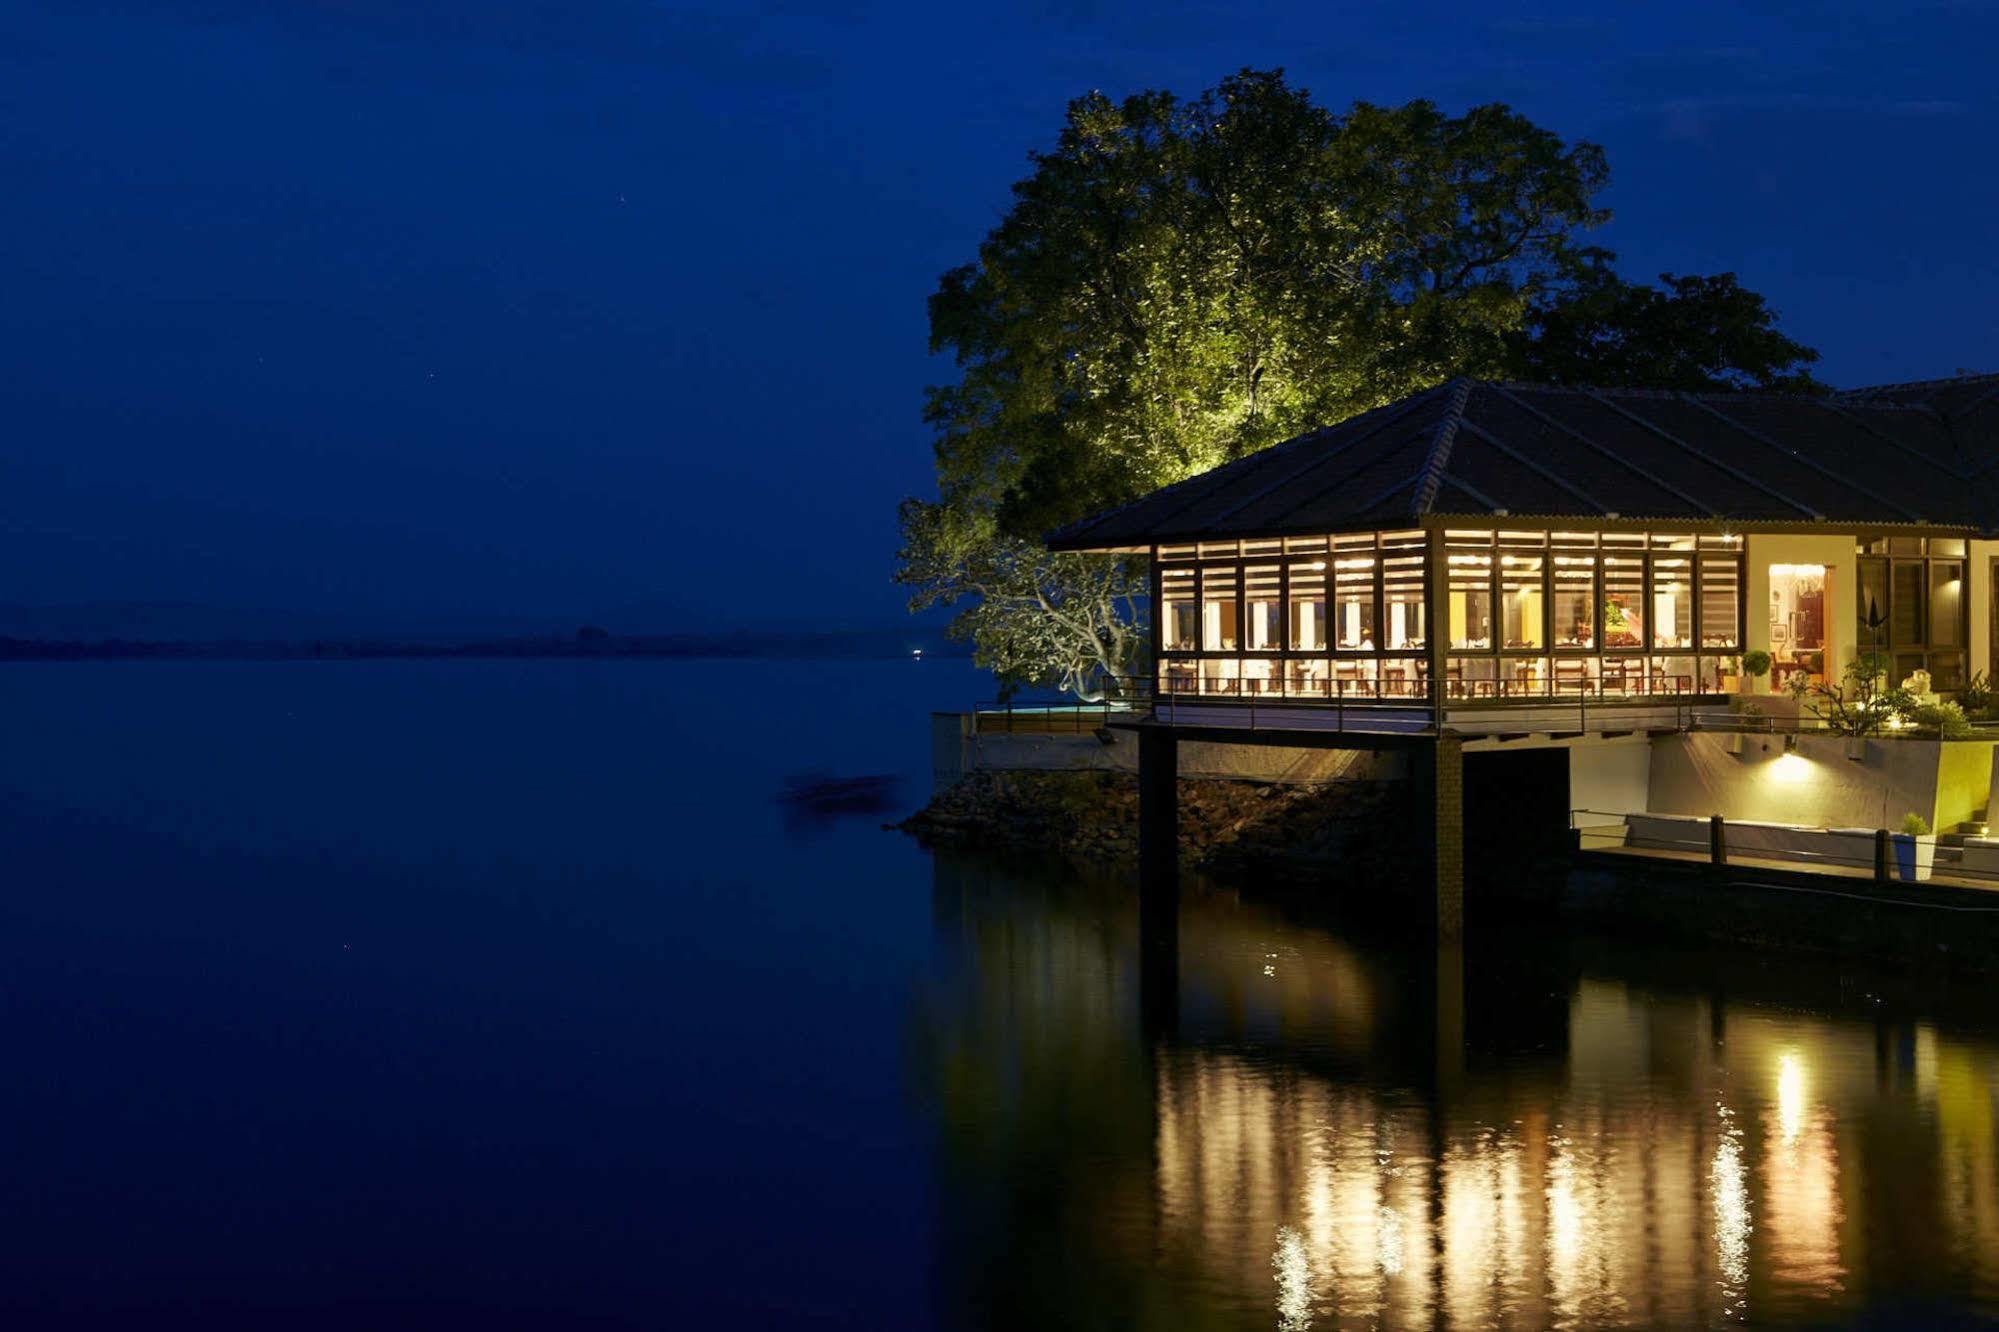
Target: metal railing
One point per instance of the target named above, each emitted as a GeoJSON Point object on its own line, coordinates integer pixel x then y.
{"type": "Point", "coordinates": [1130, 698]}
{"type": "Point", "coordinates": [1379, 704]}
{"type": "Point", "coordinates": [1885, 855]}
{"type": "Point", "coordinates": [1359, 688]}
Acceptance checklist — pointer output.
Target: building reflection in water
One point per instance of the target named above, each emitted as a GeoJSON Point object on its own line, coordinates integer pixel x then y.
{"type": "Point", "coordinates": [1309, 1149]}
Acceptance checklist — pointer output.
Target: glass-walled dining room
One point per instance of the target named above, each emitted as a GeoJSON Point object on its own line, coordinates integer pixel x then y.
{"type": "Point", "coordinates": [1526, 613]}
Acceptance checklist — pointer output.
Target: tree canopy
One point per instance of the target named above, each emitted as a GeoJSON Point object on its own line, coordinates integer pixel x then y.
{"type": "Point", "coordinates": [1181, 282]}
{"type": "Point", "coordinates": [1695, 333]}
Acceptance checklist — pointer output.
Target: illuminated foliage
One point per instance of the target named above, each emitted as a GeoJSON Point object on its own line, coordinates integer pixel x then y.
{"type": "Point", "coordinates": [1036, 618]}
{"type": "Point", "coordinates": [1179, 283]}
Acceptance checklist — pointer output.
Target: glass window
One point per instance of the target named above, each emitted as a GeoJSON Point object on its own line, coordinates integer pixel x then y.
{"type": "Point", "coordinates": [1575, 600]}
{"type": "Point", "coordinates": [1721, 602]}
{"type": "Point", "coordinates": [1524, 676]}
{"type": "Point", "coordinates": [1404, 678]}
{"type": "Point", "coordinates": [1219, 591]}
{"type": "Point", "coordinates": [1220, 675]}
{"type": "Point", "coordinates": [1308, 606]}
{"type": "Point", "coordinates": [1622, 675]}
{"type": "Point", "coordinates": [1946, 603]}
{"type": "Point", "coordinates": [1472, 677]}
{"type": "Point", "coordinates": [1672, 601]}
{"type": "Point", "coordinates": [1260, 675]}
{"type": "Point", "coordinates": [1178, 618]}
{"type": "Point", "coordinates": [1674, 675]}
{"type": "Point", "coordinates": [1623, 602]}
{"type": "Point", "coordinates": [1402, 592]}
{"type": "Point", "coordinates": [1309, 677]}
{"type": "Point", "coordinates": [1905, 603]}
{"type": "Point", "coordinates": [1521, 603]}
{"type": "Point", "coordinates": [1353, 602]}
{"type": "Point", "coordinates": [1471, 600]}
{"type": "Point", "coordinates": [1953, 547]}
{"type": "Point", "coordinates": [1262, 608]}
{"type": "Point", "coordinates": [1355, 678]}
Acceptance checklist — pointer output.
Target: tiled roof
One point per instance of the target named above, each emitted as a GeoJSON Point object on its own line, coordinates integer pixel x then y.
{"type": "Point", "coordinates": [1491, 449]}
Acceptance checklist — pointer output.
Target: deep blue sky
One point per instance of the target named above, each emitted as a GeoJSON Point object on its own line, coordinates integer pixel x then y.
{"type": "Point", "coordinates": [615, 310]}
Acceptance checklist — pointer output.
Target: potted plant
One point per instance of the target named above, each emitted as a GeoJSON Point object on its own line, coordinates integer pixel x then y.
{"type": "Point", "coordinates": [1915, 849]}
{"type": "Point", "coordinates": [1755, 665]}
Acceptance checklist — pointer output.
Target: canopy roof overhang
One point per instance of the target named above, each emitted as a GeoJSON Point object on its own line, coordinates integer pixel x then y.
{"type": "Point", "coordinates": [1922, 456]}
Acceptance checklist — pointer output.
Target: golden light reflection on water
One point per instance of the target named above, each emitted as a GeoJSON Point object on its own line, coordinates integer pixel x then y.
{"type": "Point", "coordinates": [1790, 1096]}
{"type": "Point", "coordinates": [1636, 1158]}
{"type": "Point", "coordinates": [1728, 1188]}
{"type": "Point", "coordinates": [1627, 1205]}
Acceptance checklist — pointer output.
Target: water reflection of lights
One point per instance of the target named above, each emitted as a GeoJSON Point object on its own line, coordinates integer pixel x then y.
{"type": "Point", "coordinates": [1294, 1281]}
{"type": "Point", "coordinates": [1801, 1208]}
{"type": "Point", "coordinates": [1388, 1240]}
{"type": "Point", "coordinates": [1790, 1096]}
{"type": "Point", "coordinates": [1728, 1178]}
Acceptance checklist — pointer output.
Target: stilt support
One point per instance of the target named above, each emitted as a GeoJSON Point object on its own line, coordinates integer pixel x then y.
{"type": "Point", "coordinates": [1159, 880]}
{"type": "Point", "coordinates": [1445, 783]}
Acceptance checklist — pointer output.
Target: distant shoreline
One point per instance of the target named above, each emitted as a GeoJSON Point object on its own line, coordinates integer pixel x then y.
{"type": "Point", "coordinates": [832, 647]}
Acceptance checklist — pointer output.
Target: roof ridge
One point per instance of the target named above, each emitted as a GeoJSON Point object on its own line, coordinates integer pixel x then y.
{"type": "Point", "coordinates": [1439, 457]}
{"type": "Point", "coordinates": [1968, 377]}
{"type": "Point", "coordinates": [1728, 395]}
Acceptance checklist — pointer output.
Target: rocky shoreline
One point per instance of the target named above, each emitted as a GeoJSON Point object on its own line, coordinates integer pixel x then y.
{"type": "Point", "coordinates": [1290, 831]}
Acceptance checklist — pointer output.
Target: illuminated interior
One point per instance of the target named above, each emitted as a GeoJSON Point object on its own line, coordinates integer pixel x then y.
{"type": "Point", "coordinates": [1797, 622]}
{"type": "Point", "coordinates": [1526, 613]}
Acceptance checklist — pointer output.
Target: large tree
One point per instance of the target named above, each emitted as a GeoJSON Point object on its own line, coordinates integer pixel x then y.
{"type": "Point", "coordinates": [1689, 333]}
{"type": "Point", "coordinates": [1182, 282]}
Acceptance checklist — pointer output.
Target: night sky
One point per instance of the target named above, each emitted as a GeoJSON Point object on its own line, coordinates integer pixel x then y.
{"type": "Point", "coordinates": [615, 311]}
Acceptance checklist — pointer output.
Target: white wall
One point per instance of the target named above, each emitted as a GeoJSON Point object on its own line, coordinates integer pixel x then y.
{"type": "Point", "coordinates": [1818, 785]}
{"type": "Point", "coordinates": [1979, 589]}
{"type": "Point", "coordinates": [1611, 778]}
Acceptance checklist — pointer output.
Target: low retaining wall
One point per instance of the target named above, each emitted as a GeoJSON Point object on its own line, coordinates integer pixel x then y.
{"type": "Point", "coordinates": [1842, 848]}
{"type": "Point", "coordinates": [957, 749]}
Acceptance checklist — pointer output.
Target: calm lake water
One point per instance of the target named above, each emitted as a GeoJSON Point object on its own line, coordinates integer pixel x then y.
{"type": "Point", "coordinates": [502, 994]}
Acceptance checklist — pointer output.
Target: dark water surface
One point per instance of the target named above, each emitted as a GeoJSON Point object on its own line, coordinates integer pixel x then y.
{"type": "Point", "coordinates": [505, 994]}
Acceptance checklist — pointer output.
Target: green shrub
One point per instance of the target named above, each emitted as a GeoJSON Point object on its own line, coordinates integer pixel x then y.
{"type": "Point", "coordinates": [1915, 824]}
{"type": "Point", "coordinates": [1756, 663]}
{"type": "Point", "coordinates": [1947, 719]}
{"type": "Point", "coordinates": [1976, 696]}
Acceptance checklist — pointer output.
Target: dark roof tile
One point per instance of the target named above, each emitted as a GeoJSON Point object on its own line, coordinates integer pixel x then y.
{"type": "Point", "coordinates": [1895, 454]}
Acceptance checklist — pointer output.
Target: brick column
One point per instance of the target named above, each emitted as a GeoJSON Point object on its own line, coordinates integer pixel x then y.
{"type": "Point", "coordinates": [1447, 797]}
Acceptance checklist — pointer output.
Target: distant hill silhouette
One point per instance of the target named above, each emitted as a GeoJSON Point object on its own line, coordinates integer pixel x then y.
{"type": "Point", "coordinates": [146, 629]}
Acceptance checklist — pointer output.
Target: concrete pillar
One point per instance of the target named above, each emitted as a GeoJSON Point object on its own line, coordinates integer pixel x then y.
{"type": "Point", "coordinates": [1446, 790]}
